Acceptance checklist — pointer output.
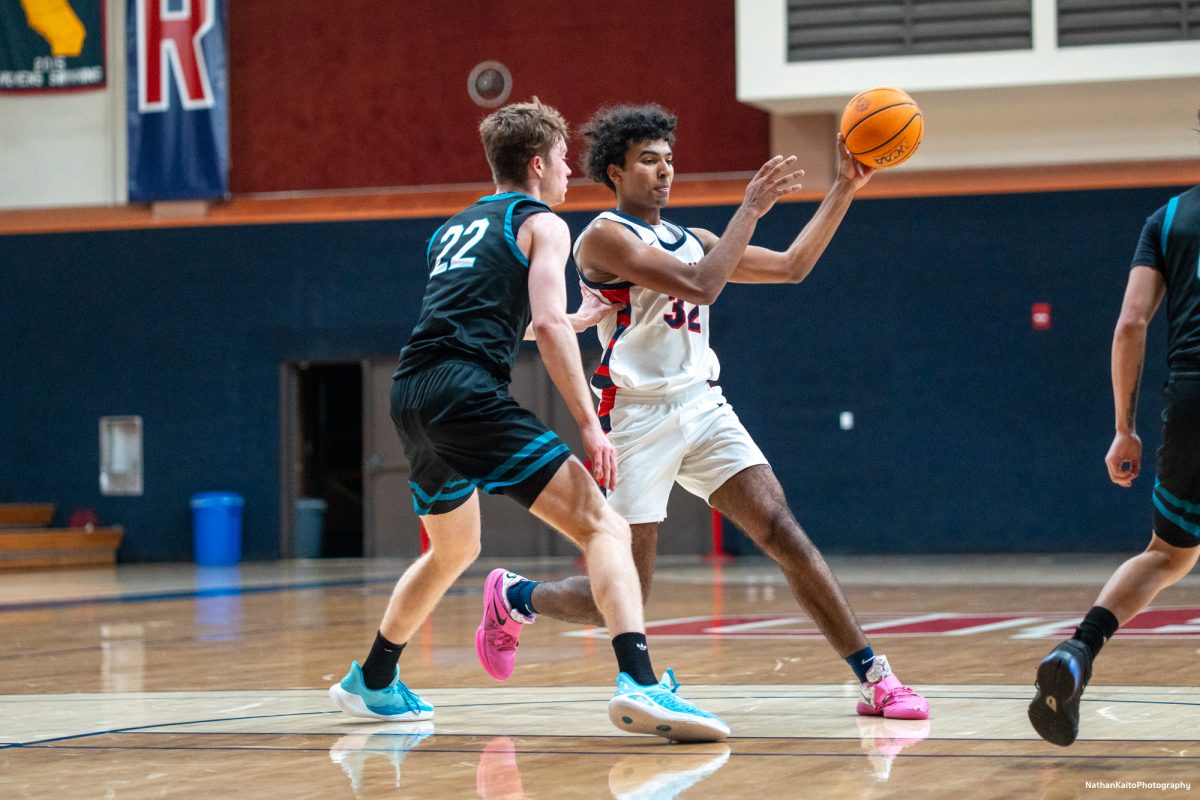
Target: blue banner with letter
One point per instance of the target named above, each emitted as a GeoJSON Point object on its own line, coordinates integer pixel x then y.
{"type": "Point", "coordinates": [178, 104]}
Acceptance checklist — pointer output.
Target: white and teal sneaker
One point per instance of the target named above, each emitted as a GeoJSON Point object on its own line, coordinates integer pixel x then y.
{"type": "Point", "coordinates": [659, 711]}
{"type": "Point", "coordinates": [393, 703]}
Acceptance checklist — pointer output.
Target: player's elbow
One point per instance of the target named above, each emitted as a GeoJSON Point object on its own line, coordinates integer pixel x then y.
{"type": "Point", "coordinates": [798, 262]}
{"type": "Point", "coordinates": [1131, 326]}
{"type": "Point", "coordinates": [545, 325]}
{"type": "Point", "coordinates": [801, 269]}
{"type": "Point", "coordinates": [699, 297]}
{"type": "Point", "coordinates": [702, 293]}
{"type": "Point", "coordinates": [797, 275]}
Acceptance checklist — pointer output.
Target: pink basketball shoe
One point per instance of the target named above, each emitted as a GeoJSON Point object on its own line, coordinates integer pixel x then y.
{"type": "Point", "coordinates": [883, 695]}
{"type": "Point", "coordinates": [497, 635]}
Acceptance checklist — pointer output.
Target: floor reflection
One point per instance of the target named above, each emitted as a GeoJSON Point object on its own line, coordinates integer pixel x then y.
{"type": "Point", "coordinates": [218, 604]}
{"type": "Point", "coordinates": [663, 777]}
{"type": "Point", "coordinates": [122, 657]}
{"type": "Point", "coordinates": [497, 777]}
{"type": "Point", "coordinates": [391, 743]}
{"type": "Point", "coordinates": [884, 739]}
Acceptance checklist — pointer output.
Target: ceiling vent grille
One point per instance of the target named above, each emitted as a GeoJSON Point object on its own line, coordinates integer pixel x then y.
{"type": "Point", "coordinates": [1085, 22]}
{"type": "Point", "coordinates": [820, 30]}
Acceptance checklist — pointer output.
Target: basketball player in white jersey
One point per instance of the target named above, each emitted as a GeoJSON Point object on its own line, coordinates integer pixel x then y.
{"type": "Point", "coordinates": [668, 422]}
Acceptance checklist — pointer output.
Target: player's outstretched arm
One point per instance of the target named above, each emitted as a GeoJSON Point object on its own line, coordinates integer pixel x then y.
{"type": "Point", "coordinates": [1143, 294]}
{"type": "Point", "coordinates": [610, 250]}
{"type": "Point", "coordinates": [760, 265]}
{"type": "Point", "coordinates": [549, 245]}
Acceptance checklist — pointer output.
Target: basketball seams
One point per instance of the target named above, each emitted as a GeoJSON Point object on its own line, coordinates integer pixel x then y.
{"type": "Point", "coordinates": [891, 139]}
{"type": "Point", "coordinates": [850, 132]}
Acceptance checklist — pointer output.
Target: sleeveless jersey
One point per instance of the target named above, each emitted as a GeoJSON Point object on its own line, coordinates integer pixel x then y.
{"type": "Point", "coordinates": [476, 305]}
{"type": "Point", "coordinates": [1170, 243]}
{"type": "Point", "coordinates": [654, 343]}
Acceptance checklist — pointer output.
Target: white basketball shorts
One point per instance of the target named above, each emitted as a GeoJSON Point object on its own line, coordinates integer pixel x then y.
{"type": "Point", "coordinates": [693, 438]}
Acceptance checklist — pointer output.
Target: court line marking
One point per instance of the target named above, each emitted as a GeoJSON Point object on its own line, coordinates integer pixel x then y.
{"type": "Point", "coordinates": [206, 593]}
{"type": "Point", "coordinates": [186, 594]}
{"type": "Point", "coordinates": [34, 698]}
{"type": "Point", "coordinates": [655, 754]}
{"type": "Point", "coordinates": [150, 728]}
{"type": "Point", "coordinates": [1138, 699]}
{"type": "Point", "coordinates": [572, 736]}
{"type": "Point", "coordinates": [236, 587]}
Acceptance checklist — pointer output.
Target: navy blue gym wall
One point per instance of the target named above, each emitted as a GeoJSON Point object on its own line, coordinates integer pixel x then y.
{"type": "Point", "coordinates": [188, 328]}
{"type": "Point", "coordinates": [972, 431]}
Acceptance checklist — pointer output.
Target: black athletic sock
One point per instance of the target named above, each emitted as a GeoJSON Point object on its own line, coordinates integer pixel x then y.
{"type": "Point", "coordinates": [633, 658]}
{"type": "Point", "coordinates": [380, 667]}
{"type": "Point", "coordinates": [1098, 627]}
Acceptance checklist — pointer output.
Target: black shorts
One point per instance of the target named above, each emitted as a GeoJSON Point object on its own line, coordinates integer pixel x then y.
{"type": "Point", "coordinates": [1177, 487]}
{"type": "Point", "coordinates": [461, 429]}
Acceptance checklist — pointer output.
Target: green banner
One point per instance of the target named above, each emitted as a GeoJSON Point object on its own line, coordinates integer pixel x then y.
{"type": "Point", "coordinates": [51, 45]}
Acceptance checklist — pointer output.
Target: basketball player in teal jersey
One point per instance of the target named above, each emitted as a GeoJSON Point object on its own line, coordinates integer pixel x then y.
{"type": "Point", "coordinates": [494, 268]}
{"type": "Point", "coordinates": [1166, 261]}
{"type": "Point", "coordinates": [668, 422]}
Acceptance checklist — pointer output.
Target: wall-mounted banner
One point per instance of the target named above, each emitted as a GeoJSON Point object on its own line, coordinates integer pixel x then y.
{"type": "Point", "coordinates": [51, 45]}
{"type": "Point", "coordinates": [177, 102]}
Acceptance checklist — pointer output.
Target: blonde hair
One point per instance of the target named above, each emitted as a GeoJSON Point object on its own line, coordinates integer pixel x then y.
{"type": "Point", "coordinates": [514, 134]}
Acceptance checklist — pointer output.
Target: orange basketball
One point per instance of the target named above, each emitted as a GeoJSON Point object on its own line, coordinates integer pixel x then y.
{"type": "Point", "coordinates": [883, 127]}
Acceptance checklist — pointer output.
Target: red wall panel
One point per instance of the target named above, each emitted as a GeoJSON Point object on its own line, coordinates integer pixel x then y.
{"type": "Point", "coordinates": [370, 93]}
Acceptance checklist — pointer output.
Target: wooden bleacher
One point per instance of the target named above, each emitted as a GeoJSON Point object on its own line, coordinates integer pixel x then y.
{"type": "Point", "coordinates": [26, 515]}
{"type": "Point", "coordinates": [27, 541]}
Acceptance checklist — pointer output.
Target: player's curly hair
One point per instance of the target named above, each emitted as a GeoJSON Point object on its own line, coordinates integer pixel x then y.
{"type": "Point", "coordinates": [612, 129]}
{"type": "Point", "coordinates": [513, 135]}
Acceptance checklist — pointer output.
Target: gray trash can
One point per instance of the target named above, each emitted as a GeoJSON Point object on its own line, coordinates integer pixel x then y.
{"type": "Point", "coordinates": [310, 514]}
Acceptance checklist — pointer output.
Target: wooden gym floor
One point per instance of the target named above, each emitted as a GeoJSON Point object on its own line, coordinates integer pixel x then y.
{"type": "Point", "coordinates": [173, 681]}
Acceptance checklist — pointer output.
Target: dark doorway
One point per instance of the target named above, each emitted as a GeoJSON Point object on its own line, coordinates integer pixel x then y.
{"type": "Point", "coordinates": [330, 449]}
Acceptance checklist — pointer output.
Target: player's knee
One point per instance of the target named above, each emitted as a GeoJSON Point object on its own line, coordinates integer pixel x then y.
{"type": "Point", "coordinates": [473, 552]}
{"type": "Point", "coordinates": [613, 525]}
{"type": "Point", "coordinates": [1182, 561]}
{"type": "Point", "coordinates": [784, 538]}
{"type": "Point", "coordinates": [459, 554]}
{"type": "Point", "coordinates": [600, 521]}
{"type": "Point", "coordinates": [613, 530]}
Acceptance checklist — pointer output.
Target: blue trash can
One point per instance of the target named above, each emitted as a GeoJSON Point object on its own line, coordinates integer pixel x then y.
{"type": "Point", "coordinates": [310, 513]}
{"type": "Point", "coordinates": [217, 528]}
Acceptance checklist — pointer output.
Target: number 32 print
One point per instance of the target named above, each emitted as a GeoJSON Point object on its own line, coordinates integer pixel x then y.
{"type": "Point", "coordinates": [677, 316]}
